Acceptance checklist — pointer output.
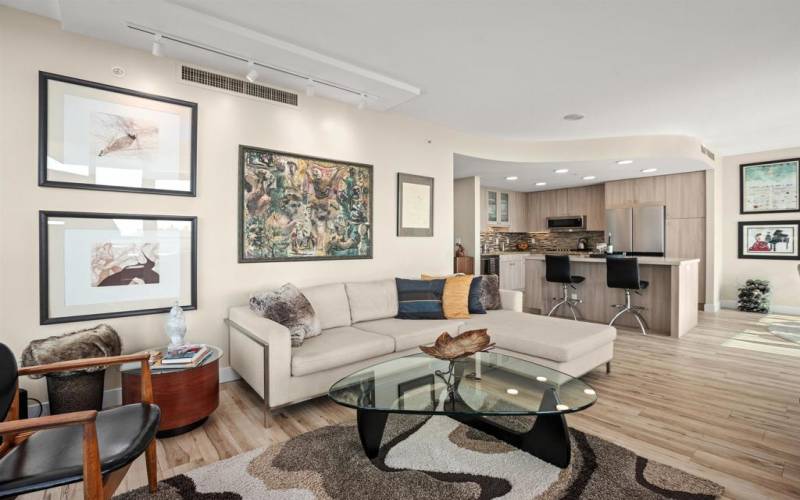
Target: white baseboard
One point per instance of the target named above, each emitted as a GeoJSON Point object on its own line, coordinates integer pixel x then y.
{"type": "Point", "coordinates": [113, 397]}
{"type": "Point", "coordinates": [775, 309]}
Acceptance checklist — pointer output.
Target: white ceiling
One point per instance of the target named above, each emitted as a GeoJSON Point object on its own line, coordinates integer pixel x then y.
{"type": "Point", "coordinates": [725, 71]}
{"type": "Point", "coordinates": [493, 173]}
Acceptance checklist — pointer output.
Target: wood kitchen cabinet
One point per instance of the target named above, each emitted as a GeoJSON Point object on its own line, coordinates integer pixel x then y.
{"type": "Point", "coordinates": [686, 195]}
{"type": "Point", "coordinates": [585, 200]}
{"type": "Point", "coordinates": [512, 272]}
{"type": "Point", "coordinates": [506, 209]}
{"type": "Point", "coordinates": [632, 192]}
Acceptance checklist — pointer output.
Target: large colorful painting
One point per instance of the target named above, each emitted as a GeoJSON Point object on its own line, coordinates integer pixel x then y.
{"type": "Point", "coordinates": [294, 207]}
{"type": "Point", "coordinates": [770, 187]}
{"type": "Point", "coordinates": [769, 240]}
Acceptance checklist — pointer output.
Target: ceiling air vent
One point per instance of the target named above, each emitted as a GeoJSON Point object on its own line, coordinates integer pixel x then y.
{"type": "Point", "coordinates": [707, 152]}
{"type": "Point", "coordinates": [203, 77]}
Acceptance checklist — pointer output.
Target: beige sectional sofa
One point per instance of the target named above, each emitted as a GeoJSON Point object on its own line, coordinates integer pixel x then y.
{"type": "Point", "coordinates": [359, 330]}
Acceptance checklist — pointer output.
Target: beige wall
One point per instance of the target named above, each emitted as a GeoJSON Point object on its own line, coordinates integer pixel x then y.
{"type": "Point", "coordinates": [783, 274]}
{"type": "Point", "coordinates": [466, 212]}
{"type": "Point", "coordinates": [318, 127]}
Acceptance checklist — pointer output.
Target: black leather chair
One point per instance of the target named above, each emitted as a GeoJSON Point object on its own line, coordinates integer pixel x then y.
{"type": "Point", "coordinates": [623, 272]}
{"type": "Point", "coordinates": [90, 446]}
{"type": "Point", "coordinates": [557, 270]}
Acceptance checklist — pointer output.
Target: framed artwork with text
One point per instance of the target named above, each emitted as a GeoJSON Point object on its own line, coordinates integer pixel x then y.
{"type": "Point", "coordinates": [769, 187]}
{"type": "Point", "coordinates": [94, 266]}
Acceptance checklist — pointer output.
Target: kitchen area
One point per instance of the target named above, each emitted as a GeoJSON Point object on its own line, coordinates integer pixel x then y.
{"type": "Point", "coordinates": [658, 218]}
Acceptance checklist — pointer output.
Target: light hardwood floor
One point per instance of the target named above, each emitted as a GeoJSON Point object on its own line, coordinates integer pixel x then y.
{"type": "Point", "coordinates": [720, 402]}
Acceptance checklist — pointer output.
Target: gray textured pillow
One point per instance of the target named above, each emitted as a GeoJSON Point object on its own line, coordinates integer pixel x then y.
{"type": "Point", "coordinates": [289, 307]}
{"type": "Point", "coordinates": [490, 292]}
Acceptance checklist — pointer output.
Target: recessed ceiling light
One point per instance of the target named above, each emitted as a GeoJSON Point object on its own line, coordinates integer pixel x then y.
{"type": "Point", "coordinates": [512, 178]}
{"type": "Point", "coordinates": [541, 183]}
{"type": "Point", "coordinates": [589, 177]}
{"type": "Point", "coordinates": [561, 170]}
{"type": "Point", "coordinates": [512, 391]}
{"type": "Point", "coordinates": [573, 117]}
{"type": "Point", "coordinates": [541, 379]}
{"type": "Point", "coordinates": [648, 170]}
{"type": "Point", "coordinates": [624, 162]}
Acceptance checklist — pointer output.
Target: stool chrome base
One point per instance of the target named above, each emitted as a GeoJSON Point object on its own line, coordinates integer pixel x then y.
{"type": "Point", "coordinates": [570, 303]}
{"type": "Point", "coordinates": [630, 308]}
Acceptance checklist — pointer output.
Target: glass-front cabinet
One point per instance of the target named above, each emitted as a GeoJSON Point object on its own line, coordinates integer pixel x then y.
{"type": "Point", "coordinates": [497, 208]}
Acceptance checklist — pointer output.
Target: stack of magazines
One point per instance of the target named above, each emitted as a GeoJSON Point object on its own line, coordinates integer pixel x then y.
{"type": "Point", "coordinates": [185, 355]}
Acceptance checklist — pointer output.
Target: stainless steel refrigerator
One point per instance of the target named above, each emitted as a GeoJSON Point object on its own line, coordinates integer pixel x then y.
{"type": "Point", "coordinates": [637, 231]}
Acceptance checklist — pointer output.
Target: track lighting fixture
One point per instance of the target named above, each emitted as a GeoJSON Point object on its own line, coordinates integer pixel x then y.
{"type": "Point", "coordinates": [252, 74]}
{"type": "Point", "coordinates": [362, 101]}
{"type": "Point", "coordinates": [310, 88]}
{"type": "Point", "coordinates": [157, 45]}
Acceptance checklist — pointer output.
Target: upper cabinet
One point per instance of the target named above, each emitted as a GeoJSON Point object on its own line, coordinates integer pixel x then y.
{"type": "Point", "coordinates": [631, 192]}
{"type": "Point", "coordinates": [686, 195]}
{"type": "Point", "coordinates": [505, 209]}
{"type": "Point", "coordinates": [588, 201]}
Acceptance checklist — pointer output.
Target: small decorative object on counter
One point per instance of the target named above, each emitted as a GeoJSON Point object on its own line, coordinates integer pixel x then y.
{"type": "Point", "coordinates": [175, 327]}
{"type": "Point", "coordinates": [460, 252]}
{"type": "Point", "coordinates": [754, 296]}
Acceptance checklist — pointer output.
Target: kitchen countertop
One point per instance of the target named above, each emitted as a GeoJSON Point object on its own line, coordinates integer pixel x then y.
{"type": "Point", "coordinates": [649, 261]}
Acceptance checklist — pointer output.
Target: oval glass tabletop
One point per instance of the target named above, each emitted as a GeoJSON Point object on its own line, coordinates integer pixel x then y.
{"type": "Point", "coordinates": [486, 383]}
{"type": "Point", "coordinates": [214, 353]}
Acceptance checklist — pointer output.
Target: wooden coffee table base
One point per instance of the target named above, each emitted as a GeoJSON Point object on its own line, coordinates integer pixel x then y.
{"type": "Point", "coordinates": [186, 397]}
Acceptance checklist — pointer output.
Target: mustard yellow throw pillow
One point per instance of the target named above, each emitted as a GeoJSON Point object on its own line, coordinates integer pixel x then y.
{"type": "Point", "coordinates": [455, 299]}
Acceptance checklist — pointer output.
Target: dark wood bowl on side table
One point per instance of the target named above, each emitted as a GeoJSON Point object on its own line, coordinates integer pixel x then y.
{"type": "Point", "coordinates": [187, 395]}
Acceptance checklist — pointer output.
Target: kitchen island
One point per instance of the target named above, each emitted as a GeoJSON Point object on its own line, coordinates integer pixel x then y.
{"type": "Point", "coordinates": [671, 300]}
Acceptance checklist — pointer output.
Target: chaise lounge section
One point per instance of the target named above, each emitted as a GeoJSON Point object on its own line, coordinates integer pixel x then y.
{"type": "Point", "coordinates": [360, 329]}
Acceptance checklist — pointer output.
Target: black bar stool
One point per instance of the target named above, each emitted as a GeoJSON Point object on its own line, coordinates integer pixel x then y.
{"type": "Point", "coordinates": [557, 271]}
{"type": "Point", "coordinates": [623, 272]}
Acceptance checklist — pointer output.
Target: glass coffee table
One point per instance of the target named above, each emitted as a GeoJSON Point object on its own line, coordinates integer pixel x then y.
{"type": "Point", "coordinates": [486, 384]}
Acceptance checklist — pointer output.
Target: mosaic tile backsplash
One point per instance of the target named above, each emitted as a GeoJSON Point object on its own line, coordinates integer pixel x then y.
{"type": "Point", "coordinates": [540, 242]}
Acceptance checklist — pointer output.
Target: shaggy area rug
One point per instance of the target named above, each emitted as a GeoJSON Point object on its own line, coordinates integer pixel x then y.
{"type": "Point", "coordinates": [429, 458]}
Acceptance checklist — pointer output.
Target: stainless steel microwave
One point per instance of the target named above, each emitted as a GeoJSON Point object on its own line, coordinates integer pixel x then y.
{"type": "Point", "coordinates": [567, 223]}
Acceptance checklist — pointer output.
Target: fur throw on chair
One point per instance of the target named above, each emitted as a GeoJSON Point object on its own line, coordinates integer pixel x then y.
{"type": "Point", "coordinates": [95, 342]}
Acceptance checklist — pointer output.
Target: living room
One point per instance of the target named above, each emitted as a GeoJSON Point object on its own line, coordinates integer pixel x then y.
{"type": "Point", "coordinates": [289, 191]}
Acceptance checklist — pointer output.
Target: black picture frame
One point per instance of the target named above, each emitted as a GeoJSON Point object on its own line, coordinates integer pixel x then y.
{"type": "Point", "coordinates": [44, 282]}
{"type": "Point", "coordinates": [744, 166]}
{"type": "Point", "coordinates": [767, 256]}
{"type": "Point", "coordinates": [45, 78]}
{"type": "Point", "coordinates": [240, 222]}
{"type": "Point", "coordinates": [413, 179]}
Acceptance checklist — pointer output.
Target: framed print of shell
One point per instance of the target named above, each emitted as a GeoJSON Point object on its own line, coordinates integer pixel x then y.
{"type": "Point", "coordinates": [294, 207]}
{"type": "Point", "coordinates": [101, 137]}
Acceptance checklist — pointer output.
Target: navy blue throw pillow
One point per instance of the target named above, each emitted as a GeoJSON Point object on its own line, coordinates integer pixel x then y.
{"type": "Point", "coordinates": [475, 304]}
{"type": "Point", "coordinates": [419, 299]}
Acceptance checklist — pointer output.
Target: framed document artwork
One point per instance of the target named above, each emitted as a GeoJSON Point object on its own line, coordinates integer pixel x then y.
{"type": "Point", "coordinates": [414, 205]}
{"type": "Point", "coordinates": [769, 187]}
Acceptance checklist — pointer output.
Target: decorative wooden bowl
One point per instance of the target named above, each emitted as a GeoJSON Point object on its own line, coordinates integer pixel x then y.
{"type": "Point", "coordinates": [452, 348]}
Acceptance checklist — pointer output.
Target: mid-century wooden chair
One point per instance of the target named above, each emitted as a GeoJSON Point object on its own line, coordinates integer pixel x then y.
{"type": "Point", "coordinates": [90, 446]}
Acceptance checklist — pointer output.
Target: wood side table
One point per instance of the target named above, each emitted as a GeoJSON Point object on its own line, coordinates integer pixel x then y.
{"type": "Point", "coordinates": [187, 395]}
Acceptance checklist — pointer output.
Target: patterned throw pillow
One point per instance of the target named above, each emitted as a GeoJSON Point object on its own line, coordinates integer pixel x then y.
{"type": "Point", "coordinates": [462, 295]}
{"type": "Point", "coordinates": [289, 307]}
{"type": "Point", "coordinates": [419, 299]}
{"type": "Point", "coordinates": [490, 292]}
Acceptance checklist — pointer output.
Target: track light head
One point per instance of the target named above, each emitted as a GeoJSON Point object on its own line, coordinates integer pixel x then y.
{"type": "Point", "coordinates": [252, 74]}
{"type": "Point", "coordinates": [157, 49]}
{"type": "Point", "coordinates": [310, 87]}
{"type": "Point", "coordinates": [362, 102]}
